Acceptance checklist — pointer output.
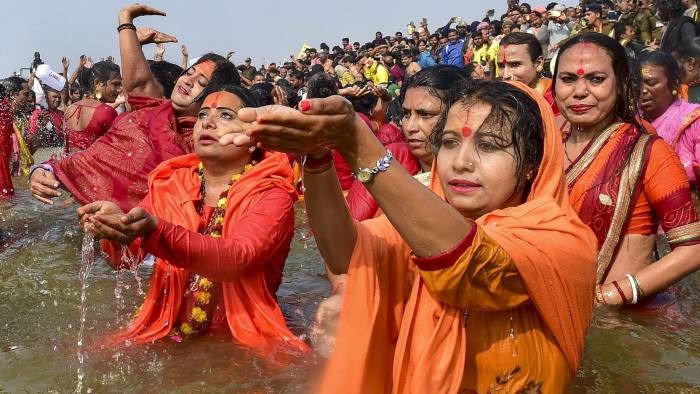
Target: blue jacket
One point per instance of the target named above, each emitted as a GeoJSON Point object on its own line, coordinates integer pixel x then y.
{"type": "Point", "coordinates": [453, 54]}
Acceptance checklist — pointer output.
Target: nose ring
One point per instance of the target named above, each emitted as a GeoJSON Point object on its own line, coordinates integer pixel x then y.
{"type": "Point", "coordinates": [470, 166]}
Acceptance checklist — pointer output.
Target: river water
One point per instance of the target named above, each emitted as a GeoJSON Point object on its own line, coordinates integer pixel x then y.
{"type": "Point", "coordinates": [633, 351]}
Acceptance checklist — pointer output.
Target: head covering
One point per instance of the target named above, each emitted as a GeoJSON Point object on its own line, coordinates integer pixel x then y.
{"type": "Point", "coordinates": [562, 268]}
{"type": "Point", "coordinates": [507, 22]}
{"type": "Point", "coordinates": [462, 23]}
{"type": "Point", "coordinates": [483, 25]}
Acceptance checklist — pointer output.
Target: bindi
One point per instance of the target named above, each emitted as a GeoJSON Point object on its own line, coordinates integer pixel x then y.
{"type": "Point", "coordinates": [646, 71]}
{"type": "Point", "coordinates": [467, 131]}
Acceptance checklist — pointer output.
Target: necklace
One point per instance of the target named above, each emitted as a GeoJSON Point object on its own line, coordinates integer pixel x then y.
{"type": "Point", "coordinates": [201, 288]}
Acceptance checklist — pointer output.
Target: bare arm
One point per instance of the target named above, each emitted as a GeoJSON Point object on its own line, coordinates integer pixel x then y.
{"type": "Point", "coordinates": [185, 57]}
{"type": "Point", "coordinates": [136, 75]}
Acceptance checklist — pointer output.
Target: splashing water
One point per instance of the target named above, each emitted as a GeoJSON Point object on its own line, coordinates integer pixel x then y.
{"type": "Point", "coordinates": [87, 258]}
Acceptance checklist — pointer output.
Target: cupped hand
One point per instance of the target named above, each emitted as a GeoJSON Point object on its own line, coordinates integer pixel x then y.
{"type": "Point", "coordinates": [44, 186]}
{"type": "Point", "coordinates": [321, 124]}
{"type": "Point", "coordinates": [118, 227]}
{"type": "Point", "coordinates": [86, 212]}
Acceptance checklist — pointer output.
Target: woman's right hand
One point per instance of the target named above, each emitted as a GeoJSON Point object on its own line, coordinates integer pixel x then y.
{"type": "Point", "coordinates": [44, 185]}
{"type": "Point", "coordinates": [320, 124]}
{"type": "Point", "coordinates": [107, 221]}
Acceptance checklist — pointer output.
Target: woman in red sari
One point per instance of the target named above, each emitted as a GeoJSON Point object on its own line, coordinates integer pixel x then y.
{"type": "Point", "coordinates": [91, 117]}
{"type": "Point", "coordinates": [220, 222]}
{"type": "Point", "coordinates": [156, 129]}
{"type": "Point", "coordinates": [623, 181]}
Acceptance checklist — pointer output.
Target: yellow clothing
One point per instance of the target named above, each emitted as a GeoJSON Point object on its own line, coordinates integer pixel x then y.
{"type": "Point", "coordinates": [486, 284]}
{"type": "Point", "coordinates": [377, 73]}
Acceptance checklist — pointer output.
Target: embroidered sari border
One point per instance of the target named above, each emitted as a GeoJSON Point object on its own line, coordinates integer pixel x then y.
{"type": "Point", "coordinates": [683, 234]}
{"type": "Point", "coordinates": [583, 162]}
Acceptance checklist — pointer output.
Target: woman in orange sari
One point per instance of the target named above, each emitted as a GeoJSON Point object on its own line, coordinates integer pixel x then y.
{"type": "Point", "coordinates": [452, 290]}
{"type": "Point", "coordinates": [623, 181]}
{"type": "Point", "coordinates": [220, 222]}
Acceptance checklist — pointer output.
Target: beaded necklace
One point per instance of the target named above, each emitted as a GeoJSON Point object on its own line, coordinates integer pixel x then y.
{"type": "Point", "coordinates": [200, 288]}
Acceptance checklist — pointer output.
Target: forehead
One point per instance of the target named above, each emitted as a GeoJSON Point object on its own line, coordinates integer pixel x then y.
{"type": "Point", "coordinates": [513, 52]}
{"type": "Point", "coordinates": [585, 55]}
{"type": "Point", "coordinates": [421, 98]}
{"type": "Point", "coordinates": [223, 99]}
{"type": "Point", "coordinates": [470, 115]}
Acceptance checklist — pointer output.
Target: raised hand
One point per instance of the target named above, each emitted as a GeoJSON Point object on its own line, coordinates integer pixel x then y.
{"type": "Point", "coordinates": [65, 62]}
{"type": "Point", "coordinates": [110, 59]}
{"type": "Point", "coordinates": [160, 50]}
{"type": "Point", "coordinates": [88, 62]}
{"type": "Point", "coordinates": [321, 123]}
{"type": "Point", "coordinates": [133, 11]}
{"type": "Point", "coordinates": [229, 55]}
{"type": "Point", "coordinates": [147, 35]}
{"type": "Point", "coordinates": [185, 52]}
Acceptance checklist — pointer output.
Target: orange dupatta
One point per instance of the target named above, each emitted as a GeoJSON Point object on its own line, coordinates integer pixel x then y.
{"type": "Point", "coordinates": [253, 315]}
{"type": "Point", "coordinates": [395, 336]}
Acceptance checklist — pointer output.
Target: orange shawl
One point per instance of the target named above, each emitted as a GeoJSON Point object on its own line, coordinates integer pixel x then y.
{"type": "Point", "coordinates": [252, 312]}
{"type": "Point", "coordinates": [397, 337]}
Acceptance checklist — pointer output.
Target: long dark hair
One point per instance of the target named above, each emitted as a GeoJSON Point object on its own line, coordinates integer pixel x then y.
{"type": "Point", "coordinates": [102, 71]}
{"type": "Point", "coordinates": [626, 108]}
{"type": "Point", "coordinates": [511, 108]}
{"type": "Point", "coordinates": [225, 73]}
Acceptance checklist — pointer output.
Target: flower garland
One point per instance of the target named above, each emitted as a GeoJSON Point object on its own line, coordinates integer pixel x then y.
{"type": "Point", "coordinates": [200, 287]}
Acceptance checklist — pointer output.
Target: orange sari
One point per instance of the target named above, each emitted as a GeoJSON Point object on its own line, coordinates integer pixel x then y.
{"type": "Point", "coordinates": [252, 313]}
{"type": "Point", "coordinates": [487, 322]}
{"type": "Point", "coordinates": [628, 181]}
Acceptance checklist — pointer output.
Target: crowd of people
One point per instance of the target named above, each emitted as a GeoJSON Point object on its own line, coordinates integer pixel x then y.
{"type": "Point", "coordinates": [475, 191]}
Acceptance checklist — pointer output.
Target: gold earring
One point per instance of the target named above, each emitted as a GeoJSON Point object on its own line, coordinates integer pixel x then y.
{"type": "Point", "coordinates": [674, 92]}
{"type": "Point", "coordinates": [251, 149]}
{"type": "Point", "coordinates": [98, 95]}
{"type": "Point", "coordinates": [539, 69]}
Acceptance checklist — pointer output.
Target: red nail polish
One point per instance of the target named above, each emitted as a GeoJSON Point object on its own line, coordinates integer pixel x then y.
{"type": "Point", "coordinates": [305, 106]}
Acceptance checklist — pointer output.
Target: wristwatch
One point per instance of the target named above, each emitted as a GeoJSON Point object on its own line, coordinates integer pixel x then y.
{"type": "Point", "coordinates": [365, 175]}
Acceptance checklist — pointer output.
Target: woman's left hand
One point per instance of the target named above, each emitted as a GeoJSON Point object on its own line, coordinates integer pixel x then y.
{"type": "Point", "coordinates": [321, 123]}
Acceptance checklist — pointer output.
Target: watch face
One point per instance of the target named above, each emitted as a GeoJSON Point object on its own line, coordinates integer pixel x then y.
{"type": "Point", "coordinates": [364, 176]}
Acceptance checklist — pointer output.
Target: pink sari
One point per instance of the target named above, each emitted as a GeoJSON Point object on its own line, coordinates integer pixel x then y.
{"type": "Point", "coordinates": [680, 128]}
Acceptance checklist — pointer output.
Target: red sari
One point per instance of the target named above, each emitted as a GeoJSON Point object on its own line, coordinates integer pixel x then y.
{"type": "Point", "coordinates": [115, 168]}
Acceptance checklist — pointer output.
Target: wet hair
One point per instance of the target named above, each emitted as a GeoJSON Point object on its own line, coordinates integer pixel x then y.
{"type": "Point", "coordinates": [511, 108]}
{"type": "Point", "coordinates": [627, 96]}
{"type": "Point", "coordinates": [670, 9]}
{"type": "Point", "coordinates": [166, 74]}
{"type": "Point", "coordinates": [321, 85]}
{"type": "Point", "coordinates": [436, 80]}
{"type": "Point", "coordinates": [13, 84]}
{"type": "Point", "coordinates": [669, 64]}
{"type": "Point", "coordinates": [102, 71]}
{"type": "Point", "coordinates": [534, 48]}
{"type": "Point", "coordinates": [225, 73]}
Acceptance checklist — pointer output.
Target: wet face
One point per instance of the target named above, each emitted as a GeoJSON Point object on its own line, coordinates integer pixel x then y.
{"type": "Point", "coordinates": [477, 175]}
{"type": "Point", "coordinates": [586, 88]}
{"type": "Point", "coordinates": [515, 64]}
{"type": "Point", "coordinates": [218, 113]}
{"type": "Point", "coordinates": [656, 95]}
{"type": "Point", "coordinates": [421, 113]}
{"type": "Point", "coordinates": [190, 85]}
{"type": "Point", "coordinates": [53, 99]}
{"type": "Point", "coordinates": [110, 89]}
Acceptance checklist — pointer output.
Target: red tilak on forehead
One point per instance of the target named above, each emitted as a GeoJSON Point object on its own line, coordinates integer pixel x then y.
{"type": "Point", "coordinates": [215, 101]}
{"type": "Point", "coordinates": [580, 71]}
{"type": "Point", "coordinates": [467, 131]}
{"type": "Point", "coordinates": [505, 57]}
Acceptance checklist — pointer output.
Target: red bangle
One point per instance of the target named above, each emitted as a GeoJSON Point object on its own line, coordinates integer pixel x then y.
{"type": "Point", "coordinates": [622, 294]}
{"type": "Point", "coordinates": [312, 164]}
